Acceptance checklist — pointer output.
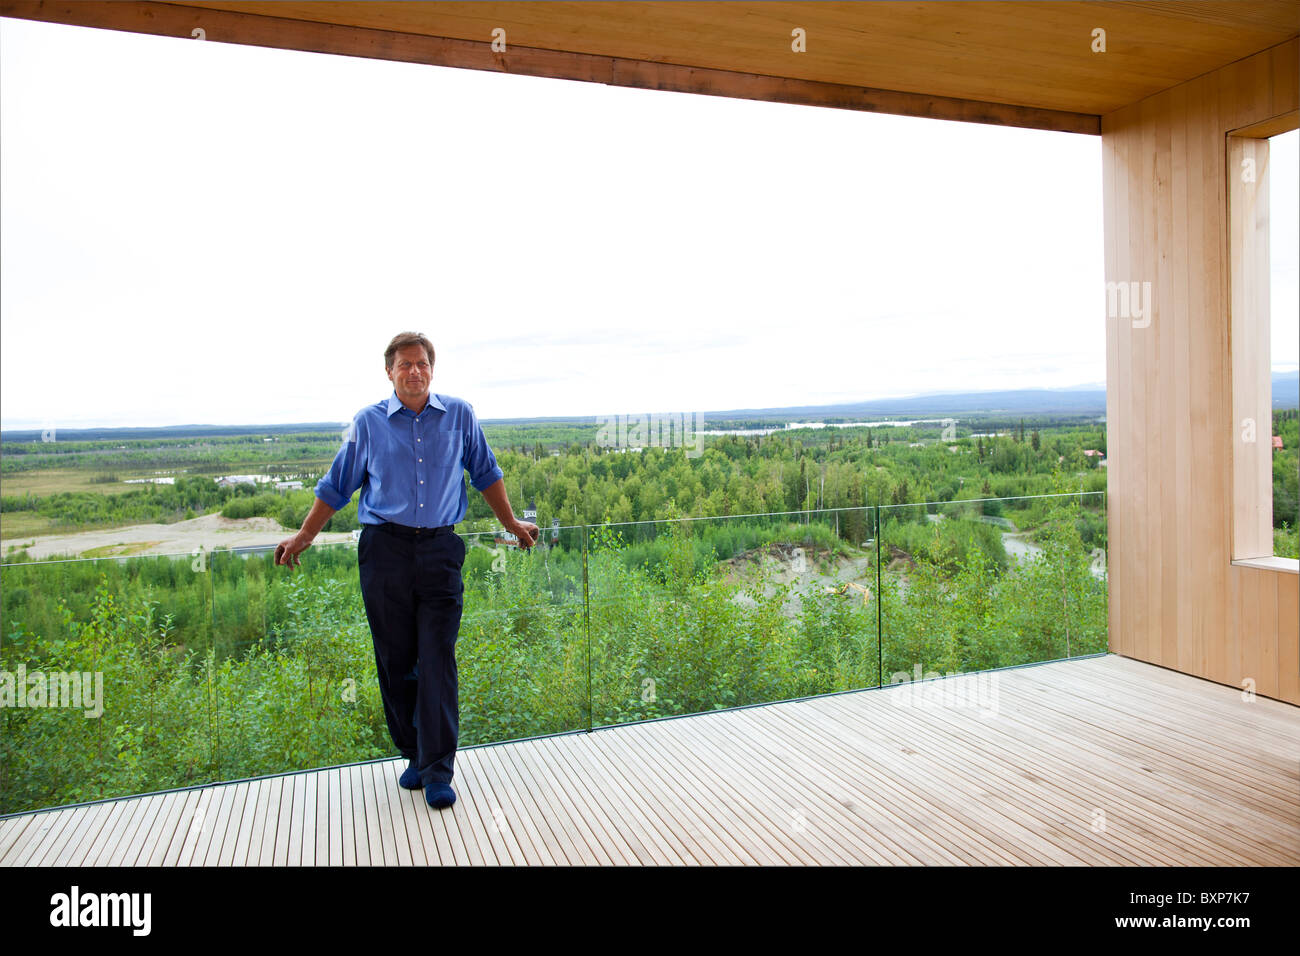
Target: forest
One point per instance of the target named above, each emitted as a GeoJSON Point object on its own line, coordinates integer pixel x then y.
{"type": "Point", "coordinates": [567, 475]}
{"type": "Point", "coordinates": [575, 481]}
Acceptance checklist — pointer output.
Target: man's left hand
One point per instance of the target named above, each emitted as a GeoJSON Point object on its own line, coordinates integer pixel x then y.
{"type": "Point", "coordinates": [526, 532]}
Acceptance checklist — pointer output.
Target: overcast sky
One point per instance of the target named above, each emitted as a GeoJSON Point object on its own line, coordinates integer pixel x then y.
{"type": "Point", "coordinates": [196, 232]}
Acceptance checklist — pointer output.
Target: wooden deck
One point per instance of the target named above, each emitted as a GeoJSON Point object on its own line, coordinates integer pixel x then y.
{"type": "Point", "coordinates": [1104, 761]}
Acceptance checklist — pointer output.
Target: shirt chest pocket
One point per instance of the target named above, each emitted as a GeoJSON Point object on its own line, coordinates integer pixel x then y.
{"type": "Point", "coordinates": [443, 450]}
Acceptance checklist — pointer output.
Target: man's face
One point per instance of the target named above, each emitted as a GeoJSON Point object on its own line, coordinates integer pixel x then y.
{"type": "Point", "coordinates": [411, 373]}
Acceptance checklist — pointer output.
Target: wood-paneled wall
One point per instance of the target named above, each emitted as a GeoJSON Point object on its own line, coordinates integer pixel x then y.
{"type": "Point", "coordinates": [1176, 599]}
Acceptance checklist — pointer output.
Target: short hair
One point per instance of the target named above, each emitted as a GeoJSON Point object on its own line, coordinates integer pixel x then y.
{"type": "Point", "coordinates": [403, 340]}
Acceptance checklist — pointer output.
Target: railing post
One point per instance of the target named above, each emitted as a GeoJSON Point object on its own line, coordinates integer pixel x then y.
{"type": "Point", "coordinates": [880, 616]}
{"type": "Point", "coordinates": [586, 619]}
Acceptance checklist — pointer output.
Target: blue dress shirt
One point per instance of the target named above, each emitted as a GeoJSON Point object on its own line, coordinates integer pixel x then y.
{"type": "Point", "coordinates": [410, 467]}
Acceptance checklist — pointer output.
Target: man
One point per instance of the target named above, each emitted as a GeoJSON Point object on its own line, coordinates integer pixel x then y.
{"type": "Point", "coordinates": [408, 455]}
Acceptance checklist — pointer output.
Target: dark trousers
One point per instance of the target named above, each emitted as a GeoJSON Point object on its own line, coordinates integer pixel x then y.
{"type": "Point", "coordinates": [413, 592]}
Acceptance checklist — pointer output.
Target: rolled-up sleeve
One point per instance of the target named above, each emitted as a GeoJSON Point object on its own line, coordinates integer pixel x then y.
{"type": "Point", "coordinates": [348, 472]}
{"type": "Point", "coordinates": [484, 472]}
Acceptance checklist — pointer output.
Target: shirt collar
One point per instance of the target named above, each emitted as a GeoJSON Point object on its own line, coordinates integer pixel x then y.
{"type": "Point", "coordinates": [394, 403]}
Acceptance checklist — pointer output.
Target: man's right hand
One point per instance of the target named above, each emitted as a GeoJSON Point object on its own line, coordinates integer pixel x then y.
{"type": "Point", "coordinates": [288, 550]}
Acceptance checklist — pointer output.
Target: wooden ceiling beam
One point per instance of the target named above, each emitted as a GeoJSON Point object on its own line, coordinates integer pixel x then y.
{"type": "Point", "coordinates": [222, 26]}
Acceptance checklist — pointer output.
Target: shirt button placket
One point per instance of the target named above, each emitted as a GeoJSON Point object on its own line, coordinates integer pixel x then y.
{"type": "Point", "coordinates": [416, 428]}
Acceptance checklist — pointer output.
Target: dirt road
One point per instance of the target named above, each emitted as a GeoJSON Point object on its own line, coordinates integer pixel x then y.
{"type": "Point", "coordinates": [181, 537]}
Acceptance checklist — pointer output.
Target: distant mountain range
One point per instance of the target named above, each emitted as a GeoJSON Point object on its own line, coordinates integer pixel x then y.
{"type": "Point", "coordinates": [1074, 402]}
{"type": "Point", "coordinates": [1084, 400]}
{"type": "Point", "coordinates": [1286, 389]}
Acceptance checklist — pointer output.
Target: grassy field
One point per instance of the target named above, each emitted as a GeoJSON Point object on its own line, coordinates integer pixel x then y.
{"type": "Point", "coordinates": [19, 524]}
{"type": "Point", "coordinates": [119, 550]}
{"type": "Point", "coordinates": [55, 480]}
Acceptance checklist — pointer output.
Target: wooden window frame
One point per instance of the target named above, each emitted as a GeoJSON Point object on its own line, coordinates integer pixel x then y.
{"type": "Point", "coordinates": [1248, 343]}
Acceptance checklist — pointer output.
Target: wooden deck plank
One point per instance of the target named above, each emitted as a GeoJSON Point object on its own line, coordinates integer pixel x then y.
{"type": "Point", "coordinates": [1005, 777]}
{"type": "Point", "coordinates": [456, 818]}
{"type": "Point", "coordinates": [559, 838]}
{"type": "Point", "coordinates": [410, 848]}
{"type": "Point", "coordinates": [433, 831]}
{"type": "Point", "coordinates": [315, 819]}
{"type": "Point", "coordinates": [408, 812]}
{"type": "Point", "coordinates": [1222, 762]}
{"type": "Point", "coordinates": [786, 812]}
{"type": "Point", "coordinates": [128, 847]}
{"type": "Point", "coordinates": [659, 838]}
{"type": "Point", "coordinates": [1217, 770]}
{"type": "Point", "coordinates": [55, 838]}
{"type": "Point", "coordinates": [397, 849]}
{"type": "Point", "coordinates": [262, 827]}
{"type": "Point", "coordinates": [608, 808]}
{"type": "Point", "coordinates": [99, 851]}
{"type": "Point", "coordinates": [915, 829]}
{"type": "Point", "coordinates": [535, 835]}
{"type": "Point", "coordinates": [285, 820]}
{"type": "Point", "coordinates": [664, 742]}
{"type": "Point", "coordinates": [11, 830]}
{"type": "Point", "coordinates": [159, 830]}
{"type": "Point", "coordinates": [178, 823]}
{"type": "Point", "coordinates": [365, 827]}
{"type": "Point", "coordinates": [1088, 770]}
{"type": "Point", "coordinates": [570, 827]}
{"type": "Point", "coordinates": [865, 773]}
{"type": "Point", "coordinates": [33, 836]}
{"type": "Point", "coordinates": [334, 809]}
{"type": "Point", "coordinates": [212, 827]}
{"type": "Point", "coordinates": [594, 825]}
{"type": "Point", "coordinates": [226, 824]}
{"type": "Point", "coordinates": [352, 818]}
{"type": "Point", "coordinates": [199, 829]}
{"type": "Point", "coordinates": [487, 818]}
{"type": "Point", "coordinates": [119, 810]}
{"type": "Point", "coordinates": [626, 747]}
{"type": "Point", "coordinates": [986, 811]}
{"type": "Point", "coordinates": [122, 824]}
{"type": "Point", "coordinates": [76, 847]}
{"type": "Point", "coordinates": [251, 818]}
{"type": "Point", "coordinates": [808, 803]}
{"type": "Point", "coordinates": [1173, 787]}
{"type": "Point", "coordinates": [948, 762]}
{"type": "Point", "coordinates": [292, 843]}
{"type": "Point", "coordinates": [619, 804]}
{"type": "Point", "coordinates": [1200, 698]}
{"type": "Point", "coordinates": [130, 853]}
{"type": "Point", "coordinates": [1186, 772]}
{"type": "Point", "coordinates": [262, 848]}
{"type": "Point", "coordinates": [1267, 719]}
{"type": "Point", "coordinates": [370, 850]}
{"type": "Point", "coordinates": [683, 831]}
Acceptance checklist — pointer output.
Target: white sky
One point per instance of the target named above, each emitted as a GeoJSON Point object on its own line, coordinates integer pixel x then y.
{"type": "Point", "coordinates": [1284, 248]}
{"type": "Point", "coordinates": [201, 232]}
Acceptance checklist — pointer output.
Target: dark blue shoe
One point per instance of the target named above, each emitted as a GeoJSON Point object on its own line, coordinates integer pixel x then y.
{"type": "Point", "coordinates": [410, 778]}
{"type": "Point", "coordinates": [439, 795]}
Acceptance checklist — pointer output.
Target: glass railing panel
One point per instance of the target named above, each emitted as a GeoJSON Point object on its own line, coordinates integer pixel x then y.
{"type": "Point", "coordinates": [987, 583]}
{"type": "Point", "coordinates": [1056, 592]}
{"type": "Point", "coordinates": [701, 614]}
{"type": "Point", "coordinates": [290, 683]}
{"type": "Point", "coordinates": [95, 700]}
{"type": "Point", "coordinates": [522, 654]}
